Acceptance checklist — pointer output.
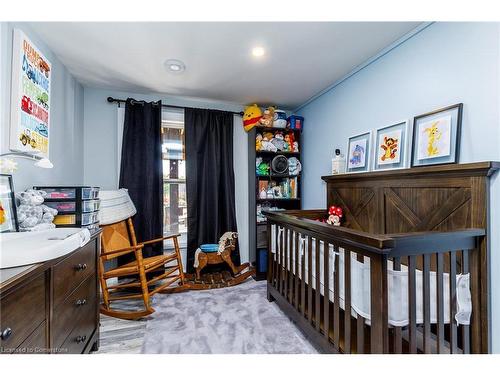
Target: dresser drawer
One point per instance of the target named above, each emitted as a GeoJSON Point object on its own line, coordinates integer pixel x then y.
{"type": "Point", "coordinates": [22, 311]}
{"type": "Point", "coordinates": [79, 304]}
{"type": "Point", "coordinates": [70, 272]}
{"type": "Point", "coordinates": [80, 336]}
{"type": "Point", "coordinates": [36, 343]}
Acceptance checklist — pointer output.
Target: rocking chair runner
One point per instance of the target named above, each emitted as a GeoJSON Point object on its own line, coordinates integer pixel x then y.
{"type": "Point", "coordinates": [119, 239]}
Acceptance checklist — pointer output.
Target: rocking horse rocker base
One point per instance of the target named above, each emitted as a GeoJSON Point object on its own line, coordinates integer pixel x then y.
{"type": "Point", "coordinates": [223, 255]}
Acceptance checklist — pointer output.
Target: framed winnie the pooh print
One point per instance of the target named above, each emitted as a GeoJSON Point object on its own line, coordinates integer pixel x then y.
{"type": "Point", "coordinates": [390, 146]}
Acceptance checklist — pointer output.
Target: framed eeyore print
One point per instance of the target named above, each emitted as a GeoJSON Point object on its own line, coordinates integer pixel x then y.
{"type": "Point", "coordinates": [358, 153]}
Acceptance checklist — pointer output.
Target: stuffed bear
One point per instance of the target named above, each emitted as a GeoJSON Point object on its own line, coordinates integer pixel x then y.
{"type": "Point", "coordinates": [266, 143]}
{"type": "Point", "coordinates": [268, 117]}
{"type": "Point", "coordinates": [32, 214]}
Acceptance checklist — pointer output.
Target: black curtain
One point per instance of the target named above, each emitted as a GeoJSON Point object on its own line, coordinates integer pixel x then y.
{"type": "Point", "coordinates": [209, 179]}
{"type": "Point", "coordinates": [141, 170]}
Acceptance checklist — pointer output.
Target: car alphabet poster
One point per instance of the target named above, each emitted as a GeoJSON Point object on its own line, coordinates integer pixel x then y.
{"type": "Point", "coordinates": [30, 102]}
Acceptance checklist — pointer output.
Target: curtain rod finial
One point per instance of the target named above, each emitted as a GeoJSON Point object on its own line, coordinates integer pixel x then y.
{"type": "Point", "coordinates": [110, 99]}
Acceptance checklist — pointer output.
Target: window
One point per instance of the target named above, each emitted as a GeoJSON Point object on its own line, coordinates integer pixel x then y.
{"type": "Point", "coordinates": [174, 175]}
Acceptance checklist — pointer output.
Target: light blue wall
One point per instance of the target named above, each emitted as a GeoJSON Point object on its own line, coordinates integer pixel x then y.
{"type": "Point", "coordinates": [66, 123]}
{"type": "Point", "coordinates": [444, 64]}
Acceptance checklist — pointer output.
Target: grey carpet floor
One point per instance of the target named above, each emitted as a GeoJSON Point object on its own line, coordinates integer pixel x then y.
{"type": "Point", "coordinates": [235, 320]}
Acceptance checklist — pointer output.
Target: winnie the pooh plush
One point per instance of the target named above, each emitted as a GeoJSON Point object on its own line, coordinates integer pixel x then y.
{"type": "Point", "coordinates": [251, 117]}
{"type": "Point", "coordinates": [32, 214]}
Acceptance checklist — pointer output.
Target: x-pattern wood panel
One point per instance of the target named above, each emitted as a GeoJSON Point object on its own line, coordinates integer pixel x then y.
{"type": "Point", "coordinates": [355, 208]}
{"type": "Point", "coordinates": [439, 214]}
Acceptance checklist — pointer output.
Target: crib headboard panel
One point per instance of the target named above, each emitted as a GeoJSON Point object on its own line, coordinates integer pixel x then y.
{"type": "Point", "coordinates": [437, 198]}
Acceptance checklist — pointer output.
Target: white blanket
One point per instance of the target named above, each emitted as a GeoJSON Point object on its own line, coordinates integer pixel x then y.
{"type": "Point", "coordinates": [397, 285]}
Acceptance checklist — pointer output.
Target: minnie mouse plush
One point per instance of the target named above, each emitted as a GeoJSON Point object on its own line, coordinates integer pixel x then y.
{"type": "Point", "coordinates": [335, 214]}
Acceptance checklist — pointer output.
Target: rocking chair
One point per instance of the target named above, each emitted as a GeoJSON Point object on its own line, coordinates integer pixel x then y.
{"type": "Point", "coordinates": [119, 239]}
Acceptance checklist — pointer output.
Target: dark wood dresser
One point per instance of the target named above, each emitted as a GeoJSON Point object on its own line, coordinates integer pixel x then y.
{"type": "Point", "coordinates": [52, 307]}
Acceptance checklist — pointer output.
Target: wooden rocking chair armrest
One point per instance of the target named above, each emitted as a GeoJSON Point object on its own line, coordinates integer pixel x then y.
{"type": "Point", "coordinates": [160, 239]}
{"type": "Point", "coordinates": [124, 250]}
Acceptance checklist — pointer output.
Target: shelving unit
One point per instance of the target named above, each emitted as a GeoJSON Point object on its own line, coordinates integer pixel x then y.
{"type": "Point", "coordinates": [258, 230]}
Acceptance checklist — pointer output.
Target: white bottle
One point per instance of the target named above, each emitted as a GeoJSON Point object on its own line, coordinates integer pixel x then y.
{"type": "Point", "coordinates": [338, 163]}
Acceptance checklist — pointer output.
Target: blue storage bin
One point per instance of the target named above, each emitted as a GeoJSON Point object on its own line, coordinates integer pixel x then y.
{"type": "Point", "coordinates": [209, 247]}
{"type": "Point", "coordinates": [262, 260]}
{"type": "Point", "coordinates": [295, 122]}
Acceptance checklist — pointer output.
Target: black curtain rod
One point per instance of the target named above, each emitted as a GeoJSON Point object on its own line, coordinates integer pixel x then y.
{"type": "Point", "coordinates": [114, 100]}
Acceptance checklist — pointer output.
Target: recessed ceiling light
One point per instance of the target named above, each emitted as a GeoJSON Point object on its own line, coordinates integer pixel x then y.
{"type": "Point", "coordinates": [258, 51]}
{"type": "Point", "coordinates": [175, 66]}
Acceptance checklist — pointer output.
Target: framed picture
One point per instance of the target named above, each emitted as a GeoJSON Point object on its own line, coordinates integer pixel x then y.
{"type": "Point", "coordinates": [358, 153]}
{"type": "Point", "coordinates": [390, 146]}
{"type": "Point", "coordinates": [31, 97]}
{"type": "Point", "coordinates": [8, 213]}
{"type": "Point", "coordinates": [436, 136]}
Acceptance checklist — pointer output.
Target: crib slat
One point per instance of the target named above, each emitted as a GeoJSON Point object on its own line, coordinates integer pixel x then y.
{"type": "Point", "coordinates": [279, 262]}
{"type": "Point", "coordinates": [465, 328]}
{"type": "Point", "coordinates": [360, 324]}
{"type": "Point", "coordinates": [289, 269]}
{"type": "Point", "coordinates": [398, 338]}
{"type": "Point", "coordinates": [317, 312]}
{"type": "Point", "coordinates": [440, 303]}
{"type": "Point", "coordinates": [347, 300]}
{"type": "Point", "coordinates": [336, 303]}
{"type": "Point", "coordinates": [326, 289]}
{"type": "Point", "coordinates": [285, 262]}
{"type": "Point", "coordinates": [296, 271]}
{"type": "Point", "coordinates": [270, 256]}
{"type": "Point", "coordinates": [302, 280]}
{"type": "Point", "coordinates": [426, 275]}
{"type": "Point", "coordinates": [453, 301]}
{"type": "Point", "coordinates": [309, 279]}
{"type": "Point", "coordinates": [412, 304]}
{"type": "Point", "coordinates": [275, 257]}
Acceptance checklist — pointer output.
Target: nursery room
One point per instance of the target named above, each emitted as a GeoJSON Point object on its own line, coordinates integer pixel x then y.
{"type": "Point", "coordinates": [249, 187]}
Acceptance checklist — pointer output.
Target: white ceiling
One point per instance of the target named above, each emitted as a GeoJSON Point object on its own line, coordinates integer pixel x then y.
{"type": "Point", "coordinates": [301, 58]}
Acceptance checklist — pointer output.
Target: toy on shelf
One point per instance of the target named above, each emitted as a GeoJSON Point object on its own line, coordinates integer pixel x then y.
{"type": "Point", "coordinates": [262, 168]}
{"type": "Point", "coordinates": [279, 119]}
{"type": "Point", "coordinates": [294, 166]}
{"type": "Point", "coordinates": [335, 214]}
{"type": "Point", "coordinates": [295, 122]}
{"type": "Point", "coordinates": [251, 117]}
{"type": "Point", "coordinates": [258, 142]}
{"type": "Point", "coordinates": [266, 144]}
{"type": "Point", "coordinates": [267, 117]}
{"type": "Point", "coordinates": [279, 141]}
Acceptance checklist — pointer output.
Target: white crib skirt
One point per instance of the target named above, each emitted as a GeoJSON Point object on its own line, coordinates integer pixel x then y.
{"type": "Point", "coordinates": [397, 284]}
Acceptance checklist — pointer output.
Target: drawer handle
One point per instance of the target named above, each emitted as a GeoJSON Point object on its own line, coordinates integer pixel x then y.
{"type": "Point", "coordinates": [81, 267]}
{"type": "Point", "coordinates": [6, 333]}
{"type": "Point", "coordinates": [80, 339]}
{"type": "Point", "coordinates": [81, 302]}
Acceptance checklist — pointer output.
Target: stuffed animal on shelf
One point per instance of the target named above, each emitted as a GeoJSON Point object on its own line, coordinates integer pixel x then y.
{"type": "Point", "coordinates": [295, 146]}
{"type": "Point", "coordinates": [267, 145]}
{"type": "Point", "coordinates": [335, 214]}
{"type": "Point", "coordinates": [279, 141]}
{"type": "Point", "coordinates": [294, 166]}
{"type": "Point", "coordinates": [258, 142]}
{"type": "Point", "coordinates": [268, 117]}
{"type": "Point", "coordinates": [32, 214]}
{"type": "Point", "coordinates": [262, 168]}
{"type": "Point", "coordinates": [251, 117]}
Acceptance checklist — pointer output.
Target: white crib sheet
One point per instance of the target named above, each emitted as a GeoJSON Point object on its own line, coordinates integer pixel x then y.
{"type": "Point", "coordinates": [397, 285]}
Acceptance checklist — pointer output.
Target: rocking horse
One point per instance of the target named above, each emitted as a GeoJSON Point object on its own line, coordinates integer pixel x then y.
{"type": "Point", "coordinates": [220, 253]}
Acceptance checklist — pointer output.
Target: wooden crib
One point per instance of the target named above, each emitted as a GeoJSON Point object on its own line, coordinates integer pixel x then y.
{"type": "Point", "coordinates": [428, 220]}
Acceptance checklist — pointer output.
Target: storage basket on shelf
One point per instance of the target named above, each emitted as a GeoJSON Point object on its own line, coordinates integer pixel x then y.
{"type": "Point", "coordinates": [77, 206]}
